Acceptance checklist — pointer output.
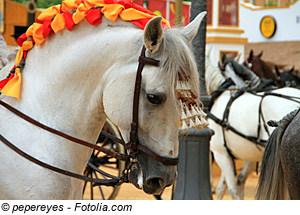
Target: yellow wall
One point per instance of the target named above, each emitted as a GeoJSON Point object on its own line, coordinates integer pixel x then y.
{"type": "Point", "coordinates": [14, 14]}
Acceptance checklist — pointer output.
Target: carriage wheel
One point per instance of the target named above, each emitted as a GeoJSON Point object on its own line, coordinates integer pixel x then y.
{"type": "Point", "coordinates": [105, 163]}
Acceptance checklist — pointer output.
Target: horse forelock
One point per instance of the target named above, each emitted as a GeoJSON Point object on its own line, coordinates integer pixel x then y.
{"type": "Point", "coordinates": [177, 57]}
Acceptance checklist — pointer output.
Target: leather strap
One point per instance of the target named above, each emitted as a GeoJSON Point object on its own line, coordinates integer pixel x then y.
{"type": "Point", "coordinates": [134, 145]}
{"type": "Point", "coordinates": [63, 135]}
{"type": "Point", "coordinates": [163, 160]}
{"type": "Point", "coordinates": [106, 182]}
{"type": "Point", "coordinates": [137, 89]}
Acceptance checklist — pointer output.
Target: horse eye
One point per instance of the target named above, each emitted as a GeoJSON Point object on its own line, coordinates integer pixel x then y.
{"type": "Point", "coordinates": [153, 99]}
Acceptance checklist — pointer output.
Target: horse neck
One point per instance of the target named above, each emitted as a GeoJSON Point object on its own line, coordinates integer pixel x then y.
{"type": "Point", "coordinates": [67, 93]}
{"type": "Point", "coordinates": [213, 77]}
{"type": "Point", "coordinates": [265, 71]}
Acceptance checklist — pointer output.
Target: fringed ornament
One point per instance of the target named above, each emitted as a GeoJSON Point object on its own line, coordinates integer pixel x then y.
{"type": "Point", "coordinates": [198, 123]}
{"type": "Point", "coordinates": [192, 124]}
{"type": "Point", "coordinates": [192, 115]}
{"type": "Point", "coordinates": [188, 113]}
{"type": "Point", "coordinates": [184, 125]}
{"type": "Point", "coordinates": [193, 111]}
{"type": "Point", "coordinates": [204, 122]}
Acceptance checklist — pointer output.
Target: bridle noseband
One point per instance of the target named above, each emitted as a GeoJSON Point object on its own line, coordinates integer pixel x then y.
{"type": "Point", "coordinates": [133, 146]}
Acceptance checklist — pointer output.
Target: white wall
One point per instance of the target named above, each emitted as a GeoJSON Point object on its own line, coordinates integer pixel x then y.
{"type": "Point", "coordinates": [287, 20]}
{"type": "Point", "coordinates": [216, 48]}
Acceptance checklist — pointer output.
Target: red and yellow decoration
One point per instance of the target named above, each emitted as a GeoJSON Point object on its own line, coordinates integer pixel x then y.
{"type": "Point", "coordinates": [67, 15]}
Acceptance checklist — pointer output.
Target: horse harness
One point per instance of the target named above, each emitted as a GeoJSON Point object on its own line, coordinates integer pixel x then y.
{"type": "Point", "coordinates": [224, 123]}
{"type": "Point", "coordinates": [133, 147]}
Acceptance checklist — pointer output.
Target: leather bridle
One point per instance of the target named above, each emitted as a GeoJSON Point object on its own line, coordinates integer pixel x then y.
{"type": "Point", "coordinates": [133, 146]}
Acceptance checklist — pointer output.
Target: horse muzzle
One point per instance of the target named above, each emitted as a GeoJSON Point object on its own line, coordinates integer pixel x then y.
{"type": "Point", "coordinates": [151, 175]}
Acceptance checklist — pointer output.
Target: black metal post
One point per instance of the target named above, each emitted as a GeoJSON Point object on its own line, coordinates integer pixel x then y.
{"type": "Point", "coordinates": [199, 43]}
{"type": "Point", "coordinates": [193, 182]}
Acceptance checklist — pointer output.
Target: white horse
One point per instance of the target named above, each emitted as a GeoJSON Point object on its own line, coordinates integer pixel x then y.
{"type": "Point", "coordinates": [73, 82]}
{"type": "Point", "coordinates": [244, 117]}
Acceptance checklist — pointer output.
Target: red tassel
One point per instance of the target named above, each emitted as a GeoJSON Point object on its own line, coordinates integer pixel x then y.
{"type": "Point", "coordinates": [24, 54]}
{"type": "Point", "coordinates": [109, 1]}
{"type": "Point", "coordinates": [93, 16]}
{"type": "Point", "coordinates": [47, 28]}
{"type": "Point", "coordinates": [69, 20]}
{"type": "Point", "coordinates": [141, 23]}
{"type": "Point", "coordinates": [127, 4]}
{"type": "Point", "coordinates": [21, 39]}
{"type": "Point", "coordinates": [142, 9]}
{"type": "Point", "coordinates": [38, 21]}
{"type": "Point", "coordinates": [4, 81]}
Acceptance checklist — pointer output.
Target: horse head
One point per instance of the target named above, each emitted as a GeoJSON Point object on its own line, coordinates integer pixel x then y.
{"type": "Point", "coordinates": [261, 68]}
{"type": "Point", "coordinates": [288, 78]}
{"type": "Point", "coordinates": [159, 108]}
{"type": "Point", "coordinates": [240, 74]}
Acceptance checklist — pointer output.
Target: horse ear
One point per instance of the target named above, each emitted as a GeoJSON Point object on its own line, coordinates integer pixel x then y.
{"type": "Point", "coordinates": [259, 56]}
{"type": "Point", "coordinates": [237, 58]}
{"type": "Point", "coordinates": [277, 71]}
{"type": "Point", "coordinates": [292, 69]}
{"type": "Point", "coordinates": [191, 29]}
{"type": "Point", "coordinates": [153, 34]}
{"type": "Point", "coordinates": [223, 58]}
{"type": "Point", "coordinates": [250, 55]}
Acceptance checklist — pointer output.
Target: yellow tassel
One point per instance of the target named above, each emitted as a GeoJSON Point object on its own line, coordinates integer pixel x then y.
{"type": "Point", "coordinates": [193, 111]}
{"type": "Point", "coordinates": [198, 123]}
{"type": "Point", "coordinates": [183, 116]}
{"type": "Point", "coordinates": [184, 126]}
{"type": "Point", "coordinates": [192, 124]}
{"type": "Point", "coordinates": [188, 113]}
{"type": "Point", "coordinates": [204, 122]}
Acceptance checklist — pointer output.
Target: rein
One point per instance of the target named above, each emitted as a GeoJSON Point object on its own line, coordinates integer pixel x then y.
{"type": "Point", "coordinates": [133, 146]}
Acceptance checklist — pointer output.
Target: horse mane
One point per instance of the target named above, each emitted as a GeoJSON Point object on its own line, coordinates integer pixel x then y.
{"type": "Point", "coordinates": [174, 62]}
{"type": "Point", "coordinates": [265, 70]}
{"type": "Point", "coordinates": [213, 77]}
{"type": "Point", "coordinates": [265, 66]}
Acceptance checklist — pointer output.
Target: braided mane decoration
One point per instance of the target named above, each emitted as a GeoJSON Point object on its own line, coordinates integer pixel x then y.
{"type": "Point", "coordinates": [67, 15]}
{"type": "Point", "coordinates": [192, 115]}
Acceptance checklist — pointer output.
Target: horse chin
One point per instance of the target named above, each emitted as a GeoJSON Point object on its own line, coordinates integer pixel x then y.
{"type": "Point", "coordinates": [151, 175]}
{"type": "Point", "coordinates": [135, 175]}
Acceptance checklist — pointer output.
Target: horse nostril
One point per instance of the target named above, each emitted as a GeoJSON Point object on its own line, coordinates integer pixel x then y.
{"type": "Point", "coordinates": [155, 182]}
